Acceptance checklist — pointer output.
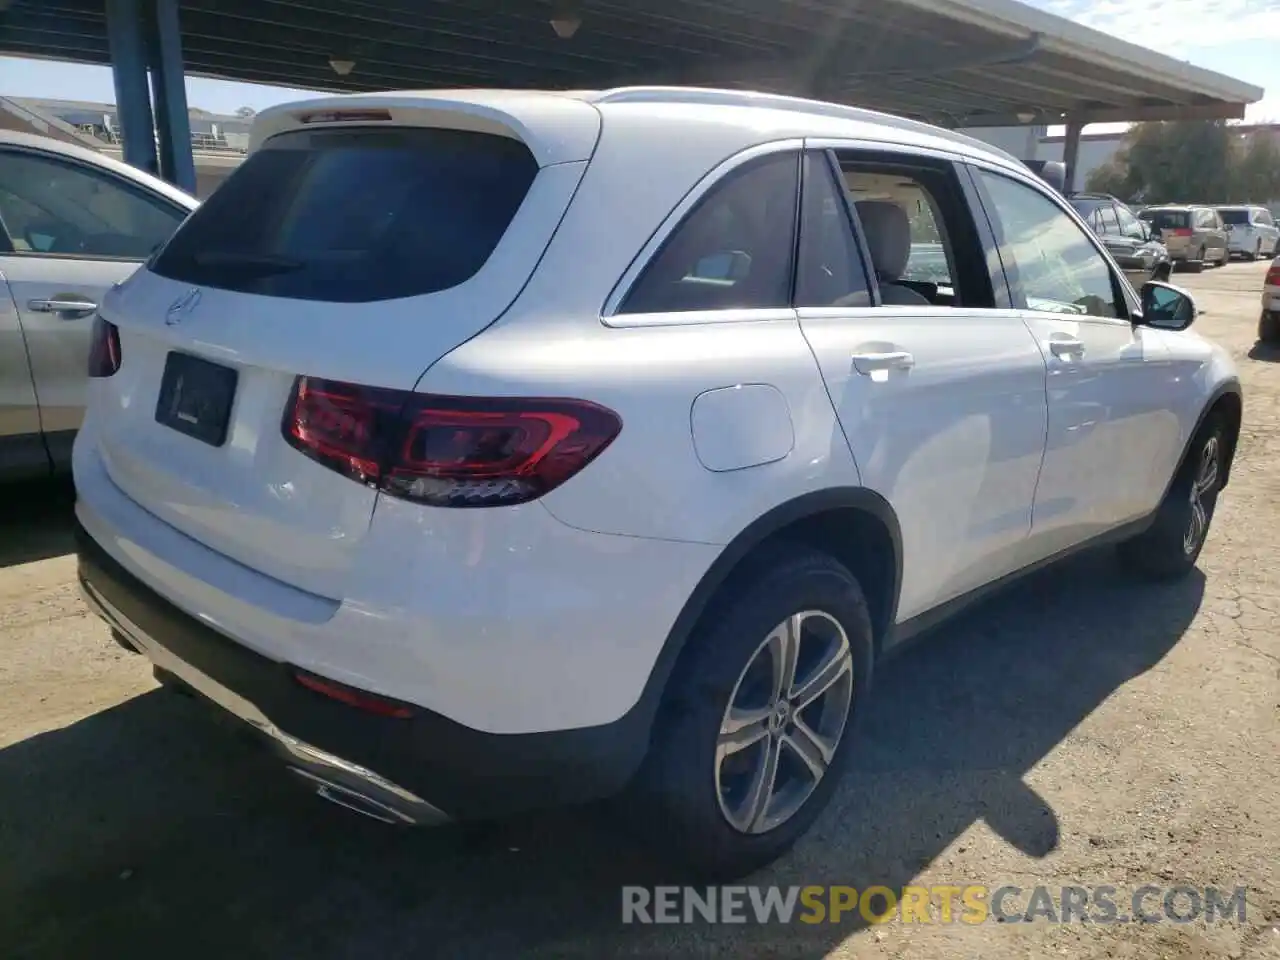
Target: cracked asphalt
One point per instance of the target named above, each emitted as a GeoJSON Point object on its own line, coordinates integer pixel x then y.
{"type": "Point", "coordinates": [1079, 730]}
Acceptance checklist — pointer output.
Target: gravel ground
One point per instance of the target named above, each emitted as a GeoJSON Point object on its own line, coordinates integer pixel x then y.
{"type": "Point", "coordinates": [1078, 730]}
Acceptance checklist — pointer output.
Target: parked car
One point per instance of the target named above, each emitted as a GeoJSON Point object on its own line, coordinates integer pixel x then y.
{"type": "Point", "coordinates": [72, 223]}
{"type": "Point", "coordinates": [472, 490]}
{"type": "Point", "coordinates": [1131, 241]}
{"type": "Point", "coordinates": [1251, 231]}
{"type": "Point", "coordinates": [1194, 235]}
{"type": "Point", "coordinates": [1269, 323]}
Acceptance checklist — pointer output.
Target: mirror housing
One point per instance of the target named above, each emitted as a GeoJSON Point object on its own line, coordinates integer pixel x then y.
{"type": "Point", "coordinates": [1166, 307]}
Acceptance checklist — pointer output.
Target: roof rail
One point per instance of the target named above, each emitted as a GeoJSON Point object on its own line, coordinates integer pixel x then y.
{"type": "Point", "coordinates": [712, 96]}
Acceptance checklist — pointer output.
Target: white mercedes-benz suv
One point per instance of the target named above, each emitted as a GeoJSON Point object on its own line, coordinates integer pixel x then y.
{"type": "Point", "coordinates": [489, 450]}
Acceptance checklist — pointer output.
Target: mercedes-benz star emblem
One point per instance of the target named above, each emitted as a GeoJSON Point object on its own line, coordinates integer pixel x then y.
{"type": "Point", "coordinates": [182, 307]}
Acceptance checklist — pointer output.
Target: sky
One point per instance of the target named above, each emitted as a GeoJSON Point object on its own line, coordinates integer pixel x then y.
{"type": "Point", "coordinates": [1240, 38]}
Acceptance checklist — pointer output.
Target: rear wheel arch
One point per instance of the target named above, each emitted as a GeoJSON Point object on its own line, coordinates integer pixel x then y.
{"type": "Point", "coordinates": [855, 525]}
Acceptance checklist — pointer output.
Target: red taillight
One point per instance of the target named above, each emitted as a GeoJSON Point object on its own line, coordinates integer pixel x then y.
{"type": "Point", "coordinates": [104, 348]}
{"type": "Point", "coordinates": [1273, 275]}
{"type": "Point", "coordinates": [1180, 232]}
{"type": "Point", "coordinates": [353, 697]}
{"type": "Point", "coordinates": [446, 451]}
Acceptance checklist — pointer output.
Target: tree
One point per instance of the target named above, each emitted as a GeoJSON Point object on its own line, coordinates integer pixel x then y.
{"type": "Point", "coordinates": [1258, 170]}
{"type": "Point", "coordinates": [1113, 177]}
{"type": "Point", "coordinates": [1190, 161]}
{"type": "Point", "coordinates": [1182, 160]}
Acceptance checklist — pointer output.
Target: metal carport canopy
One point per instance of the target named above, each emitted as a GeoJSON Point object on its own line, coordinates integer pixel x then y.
{"type": "Point", "coordinates": [953, 62]}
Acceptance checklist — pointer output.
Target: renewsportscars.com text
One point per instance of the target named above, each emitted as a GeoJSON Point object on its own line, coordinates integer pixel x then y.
{"type": "Point", "coordinates": [972, 904]}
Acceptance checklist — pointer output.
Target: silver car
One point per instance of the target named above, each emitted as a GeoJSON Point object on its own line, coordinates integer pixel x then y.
{"type": "Point", "coordinates": [72, 223]}
{"type": "Point", "coordinates": [1251, 231]}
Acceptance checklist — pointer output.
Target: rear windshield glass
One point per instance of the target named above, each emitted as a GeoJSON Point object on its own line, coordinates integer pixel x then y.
{"type": "Point", "coordinates": [1084, 206]}
{"type": "Point", "coordinates": [353, 216]}
{"type": "Point", "coordinates": [1166, 219]}
{"type": "Point", "coordinates": [1234, 216]}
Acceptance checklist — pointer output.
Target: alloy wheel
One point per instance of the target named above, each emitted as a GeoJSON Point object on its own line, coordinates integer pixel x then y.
{"type": "Point", "coordinates": [1203, 484]}
{"type": "Point", "coordinates": [785, 719]}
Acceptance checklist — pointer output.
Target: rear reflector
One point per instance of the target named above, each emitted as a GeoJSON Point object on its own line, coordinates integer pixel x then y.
{"type": "Point", "coordinates": [446, 451]}
{"type": "Point", "coordinates": [104, 348]}
{"type": "Point", "coordinates": [345, 116]}
{"type": "Point", "coordinates": [353, 697]}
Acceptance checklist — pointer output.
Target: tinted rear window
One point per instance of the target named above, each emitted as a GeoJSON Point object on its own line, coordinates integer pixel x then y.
{"type": "Point", "coordinates": [1166, 219]}
{"type": "Point", "coordinates": [353, 216]}
{"type": "Point", "coordinates": [1084, 206]}
{"type": "Point", "coordinates": [1234, 216]}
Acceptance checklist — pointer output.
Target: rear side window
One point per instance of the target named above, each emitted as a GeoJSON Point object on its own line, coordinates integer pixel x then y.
{"type": "Point", "coordinates": [1234, 217]}
{"type": "Point", "coordinates": [735, 250]}
{"type": "Point", "coordinates": [354, 216]}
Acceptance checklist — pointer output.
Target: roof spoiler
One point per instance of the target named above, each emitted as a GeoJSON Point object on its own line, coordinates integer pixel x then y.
{"type": "Point", "coordinates": [1052, 172]}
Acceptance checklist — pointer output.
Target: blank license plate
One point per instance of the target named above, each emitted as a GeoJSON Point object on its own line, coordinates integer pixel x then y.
{"type": "Point", "coordinates": [195, 398]}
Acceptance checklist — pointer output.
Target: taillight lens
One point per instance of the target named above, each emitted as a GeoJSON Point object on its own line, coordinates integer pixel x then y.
{"type": "Point", "coordinates": [1273, 275]}
{"type": "Point", "coordinates": [1180, 232]}
{"type": "Point", "coordinates": [446, 451]}
{"type": "Point", "coordinates": [104, 348]}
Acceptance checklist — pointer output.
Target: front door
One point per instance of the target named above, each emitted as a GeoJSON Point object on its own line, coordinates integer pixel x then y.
{"type": "Point", "coordinates": [940, 394]}
{"type": "Point", "coordinates": [70, 232]}
{"type": "Point", "coordinates": [1108, 417]}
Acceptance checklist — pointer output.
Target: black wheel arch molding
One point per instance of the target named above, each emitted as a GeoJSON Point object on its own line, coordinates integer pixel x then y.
{"type": "Point", "coordinates": [1228, 387]}
{"type": "Point", "coordinates": [770, 525]}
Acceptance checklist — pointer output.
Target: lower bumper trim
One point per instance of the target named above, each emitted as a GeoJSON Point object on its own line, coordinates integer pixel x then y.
{"type": "Point", "coordinates": [333, 776]}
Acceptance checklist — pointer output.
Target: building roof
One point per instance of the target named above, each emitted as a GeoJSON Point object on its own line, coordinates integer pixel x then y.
{"type": "Point", "coordinates": [955, 62]}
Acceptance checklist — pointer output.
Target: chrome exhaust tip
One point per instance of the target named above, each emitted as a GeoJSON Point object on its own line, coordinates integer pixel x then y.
{"type": "Point", "coordinates": [355, 801]}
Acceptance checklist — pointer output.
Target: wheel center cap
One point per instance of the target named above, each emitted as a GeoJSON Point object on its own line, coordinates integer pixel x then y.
{"type": "Point", "coordinates": [781, 714]}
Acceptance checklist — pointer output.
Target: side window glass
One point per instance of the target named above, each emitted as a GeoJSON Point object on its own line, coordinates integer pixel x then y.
{"type": "Point", "coordinates": [913, 217]}
{"type": "Point", "coordinates": [830, 272]}
{"type": "Point", "coordinates": [52, 207]}
{"type": "Point", "coordinates": [1129, 225]}
{"type": "Point", "coordinates": [1110, 225]}
{"type": "Point", "coordinates": [1059, 269]}
{"type": "Point", "coordinates": [734, 250]}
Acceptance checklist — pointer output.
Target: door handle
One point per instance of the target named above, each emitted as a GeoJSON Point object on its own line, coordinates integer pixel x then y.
{"type": "Point", "coordinates": [866, 363]}
{"type": "Point", "coordinates": [1065, 346]}
{"type": "Point", "coordinates": [78, 307]}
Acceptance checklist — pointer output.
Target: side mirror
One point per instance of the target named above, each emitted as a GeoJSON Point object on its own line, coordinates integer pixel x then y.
{"type": "Point", "coordinates": [1166, 307]}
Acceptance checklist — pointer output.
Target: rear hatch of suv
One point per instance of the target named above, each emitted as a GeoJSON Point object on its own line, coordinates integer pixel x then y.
{"type": "Point", "coordinates": [1173, 226]}
{"type": "Point", "coordinates": [362, 239]}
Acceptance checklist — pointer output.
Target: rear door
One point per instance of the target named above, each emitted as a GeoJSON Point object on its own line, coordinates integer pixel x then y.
{"type": "Point", "coordinates": [359, 254]}
{"type": "Point", "coordinates": [938, 384]}
{"type": "Point", "coordinates": [21, 446]}
{"type": "Point", "coordinates": [71, 230]}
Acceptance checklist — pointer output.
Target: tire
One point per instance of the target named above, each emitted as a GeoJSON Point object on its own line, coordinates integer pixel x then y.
{"type": "Point", "coordinates": [1169, 548]}
{"type": "Point", "coordinates": [1198, 264]}
{"type": "Point", "coordinates": [1162, 272]}
{"type": "Point", "coordinates": [1226, 256]}
{"type": "Point", "coordinates": [1269, 328]}
{"type": "Point", "coordinates": [687, 796]}
{"type": "Point", "coordinates": [1257, 251]}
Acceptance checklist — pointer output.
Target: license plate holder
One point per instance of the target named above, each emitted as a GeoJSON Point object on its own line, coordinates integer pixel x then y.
{"type": "Point", "coordinates": [196, 397]}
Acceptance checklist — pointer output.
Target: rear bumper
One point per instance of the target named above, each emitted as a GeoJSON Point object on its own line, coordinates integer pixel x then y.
{"type": "Point", "coordinates": [425, 769]}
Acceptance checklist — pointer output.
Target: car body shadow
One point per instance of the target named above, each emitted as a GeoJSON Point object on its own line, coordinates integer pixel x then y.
{"type": "Point", "coordinates": [36, 520]}
{"type": "Point", "coordinates": [1265, 352]}
{"type": "Point", "coordinates": [149, 826]}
